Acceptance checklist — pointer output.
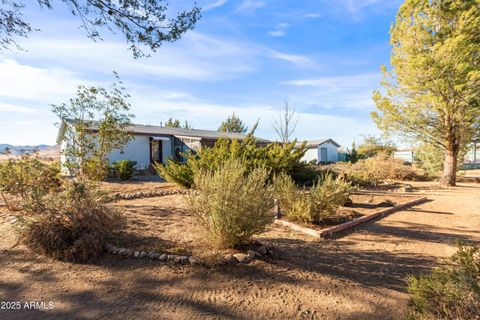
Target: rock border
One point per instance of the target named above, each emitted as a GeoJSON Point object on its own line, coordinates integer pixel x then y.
{"type": "Point", "coordinates": [149, 194]}
{"type": "Point", "coordinates": [231, 259]}
{"type": "Point", "coordinates": [330, 231]}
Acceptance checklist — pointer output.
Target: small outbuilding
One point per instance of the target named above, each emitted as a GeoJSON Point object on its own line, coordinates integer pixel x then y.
{"type": "Point", "coordinates": [321, 151]}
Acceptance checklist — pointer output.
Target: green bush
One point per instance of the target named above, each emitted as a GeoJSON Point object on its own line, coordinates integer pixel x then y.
{"type": "Point", "coordinates": [175, 172]}
{"type": "Point", "coordinates": [28, 181]}
{"type": "Point", "coordinates": [319, 203]}
{"type": "Point", "coordinates": [274, 157]}
{"type": "Point", "coordinates": [309, 174]}
{"type": "Point", "coordinates": [74, 226]}
{"type": "Point", "coordinates": [124, 169]}
{"type": "Point", "coordinates": [231, 203]}
{"type": "Point", "coordinates": [95, 170]}
{"type": "Point", "coordinates": [451, 292]}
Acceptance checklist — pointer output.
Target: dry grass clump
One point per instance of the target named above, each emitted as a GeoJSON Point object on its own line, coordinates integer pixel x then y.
{"type": "Point", "coordinates": [232, 203]}
{"type": "Point", "coordinates": [320, 202]}
{"type": "Point", "coordinates": [377, 169]}
{"type": "Point", "coordinates": [74, 228]}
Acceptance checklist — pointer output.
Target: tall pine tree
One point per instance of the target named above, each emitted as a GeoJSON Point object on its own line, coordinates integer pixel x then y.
{"type": "Point", "coordinates": [432, 91]}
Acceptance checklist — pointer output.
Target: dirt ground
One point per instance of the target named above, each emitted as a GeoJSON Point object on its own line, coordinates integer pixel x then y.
{"type": "Point", "coordinates": [357, 276]}
{"type": "Point", "coordinates": [140, 183]}
{"type": "Point", "coordinates": [165, 224]}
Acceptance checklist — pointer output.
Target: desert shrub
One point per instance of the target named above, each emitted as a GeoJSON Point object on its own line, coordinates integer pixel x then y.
{"type": "Point", "coordinates": [175, 172]}
{"type": "Point", "coordinates": [377, 169]}
{"type": "Point", "coordinates": [75, 227]}
{"type": "Point", "coordinates": [308, 174]}
{"type": "Point", "coordinates": [372, 146]}
{"type": "Point", "coordinates": [95, 170]}
{"type": "Point", "coordinates": [124, 169]}
{"type": "Point", "coordinates": [231, 203]}
{"type": "Point", "coordinates": [29, 181]}
{"type": "Point", "coordinates": [315, 205]}
{"type": "Point", "coordinates": [274, 157]}
{"type": "Point", "coordinates": [451, 292]}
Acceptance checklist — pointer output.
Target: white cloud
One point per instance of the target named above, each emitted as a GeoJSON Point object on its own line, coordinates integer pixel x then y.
{"type": "Point", "coordinates": [346, 92]}
{"type": "Point", "coordinates": [251, 5]}
{"type": "Point", "coordinates": [354, 6]}
{"type": "Point", "coordinates": [311, 15]}
{"type": "Point", "coordinates": [299, 60]}
{"type": "Point", "coordinates": [214, 5]}
{"type": "Point", "coordinates": [197, 57]}
{"type": "Point", "coordinates": [24, 82]}
{"type": "Point", "coordinates": [338, 82]}
{"type": "Point", "coordinates": [4, 107]}
{"type": "Point", "coordinates": [277, 33]}
{"type": "Point", "coordinates": [280, 30]}
{"type": "Point", "coordinates": [152, 109]}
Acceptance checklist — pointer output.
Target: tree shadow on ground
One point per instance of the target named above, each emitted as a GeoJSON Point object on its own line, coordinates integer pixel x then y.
{"type": "Point", "coordinates": [342, 260]}
{"type": "Point", "coordinates": [423, 232]}
{"type": "Point", "coordinates": [117, 298]}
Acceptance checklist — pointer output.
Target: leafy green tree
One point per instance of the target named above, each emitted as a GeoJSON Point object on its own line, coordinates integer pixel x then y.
{"type": "Point", "coordinates": [172, 123]}
{"type": "Point", "coordinates": [233, 124]}
{"type": "Point", "coordinates": [352, 154]}
{"type": "Point", "coordinates": [175, 123]}
{"type": "Point", "coordinates": [187, 125]}
{"type": "Point", "coordinates": [142, 22]}
{"type": "Point", "coordinates": [429, 157]}
{"type": "Point", "coordinates": [371, 146]}
{"type": "Point", "coordinates": [432, 91]}
{"type": "Point", "coordinates": [95, 123]}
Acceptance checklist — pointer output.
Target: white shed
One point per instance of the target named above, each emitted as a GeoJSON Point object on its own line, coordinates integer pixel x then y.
{"type": "Point", "coordinates": [321, 151]}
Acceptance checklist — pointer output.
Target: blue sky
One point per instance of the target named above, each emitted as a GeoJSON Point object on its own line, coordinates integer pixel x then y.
{"type": "Point", "coordinates": [244, 56]}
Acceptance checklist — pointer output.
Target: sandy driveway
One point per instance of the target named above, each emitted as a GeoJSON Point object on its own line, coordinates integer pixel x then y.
{"type": "Point", "coordinates": [358, 276]}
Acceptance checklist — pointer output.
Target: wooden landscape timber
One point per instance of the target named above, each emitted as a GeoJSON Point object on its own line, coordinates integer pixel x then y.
{"type": "Point", "coordinates": [330, 231]}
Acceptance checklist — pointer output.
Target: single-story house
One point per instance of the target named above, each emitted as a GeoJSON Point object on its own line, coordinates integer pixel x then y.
{"type": "Point", "coordinates": [473, 154]}
{"type": "Point", "coordinates": [157, 144]}
{"type": "Point", "coordinates": [471, 157]}
{"type": "Point", "coordinates": [321, 151]}
{"type": "Point", "coordinates": [407, 155]}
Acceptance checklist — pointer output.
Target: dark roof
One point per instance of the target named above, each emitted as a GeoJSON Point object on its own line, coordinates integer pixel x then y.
{"type": "Point", "coordinates": [317, 142]}
{"type": "Point", "coordinates": [181, 132]}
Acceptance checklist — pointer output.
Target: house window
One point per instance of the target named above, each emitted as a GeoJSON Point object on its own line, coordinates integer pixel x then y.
{"type": "Point", "coordinates": [323, 155]}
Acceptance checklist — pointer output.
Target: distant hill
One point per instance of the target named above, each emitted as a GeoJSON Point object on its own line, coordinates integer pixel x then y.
{"type": "Point", "coordinates": [21, 148]}
{"type": "Point", "coordinates": [44, 151]}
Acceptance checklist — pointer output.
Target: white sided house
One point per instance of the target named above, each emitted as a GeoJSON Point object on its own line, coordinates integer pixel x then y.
{"type": "Point", "coordinates": [321, 151]}
{"type": "Point", "coordinates": [156, 144]}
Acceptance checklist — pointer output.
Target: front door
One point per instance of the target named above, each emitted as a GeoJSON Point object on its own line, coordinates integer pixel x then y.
{"type": "Point", "coordinates": [323, 154]}
{"type": "Point", "coordinates": [156, 151]}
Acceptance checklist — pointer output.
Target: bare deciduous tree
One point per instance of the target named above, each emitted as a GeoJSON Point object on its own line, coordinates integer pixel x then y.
{"type": "Point", "coordinates": [285, 123]}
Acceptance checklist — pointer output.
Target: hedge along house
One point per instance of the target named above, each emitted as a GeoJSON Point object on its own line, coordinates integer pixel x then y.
{"type": "Point", "coordinates": [156, 144]}
{"type": "Point", "coordinates": [321, 151]}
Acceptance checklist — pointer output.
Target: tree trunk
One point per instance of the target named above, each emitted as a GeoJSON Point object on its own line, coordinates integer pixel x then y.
{"type": "Point", "coordinates": [449, 177]}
